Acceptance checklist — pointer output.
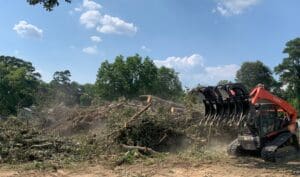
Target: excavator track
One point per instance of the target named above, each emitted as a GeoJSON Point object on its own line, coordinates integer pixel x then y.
{"type": "Point", "coordinates": [278, 150]}
{"type": "Point", "coordinates": [282, 154]}
{"type": "Point", "coordinates": [268, 154]}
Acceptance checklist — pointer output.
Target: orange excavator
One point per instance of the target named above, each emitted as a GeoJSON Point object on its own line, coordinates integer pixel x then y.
{"type": "Point", "coordinates": [267, 124]}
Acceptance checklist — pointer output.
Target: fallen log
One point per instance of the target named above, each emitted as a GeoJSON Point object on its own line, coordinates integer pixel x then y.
{"type": "Point", "coordinates": [42, 146]}
{"type": "Point", "coordinates": [140, 148]}
{"type": "Point", "coordinates": [163, 101]}
{"type": "Point", "coordinates": [176, 110]}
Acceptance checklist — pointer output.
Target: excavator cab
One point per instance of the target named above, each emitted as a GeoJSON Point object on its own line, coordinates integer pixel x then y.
{"type": "Point", "coordinates": [268, 119]}
{"type": "Point", "coordinates": [267, 124]}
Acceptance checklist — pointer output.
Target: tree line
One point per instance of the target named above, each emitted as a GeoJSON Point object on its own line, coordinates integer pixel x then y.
{"type": "Point", "coordinates": [288, 84]}
{"type": "Point", "coordinates": [21, 85]}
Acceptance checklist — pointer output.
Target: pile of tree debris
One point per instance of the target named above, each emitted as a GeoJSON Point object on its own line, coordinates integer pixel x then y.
{"type": "Point", "coordinates": [157, 126]}
{"type": "Point", "coordinates": [149, 125]}
{"type": "Point", "coordinates": [19, 142]}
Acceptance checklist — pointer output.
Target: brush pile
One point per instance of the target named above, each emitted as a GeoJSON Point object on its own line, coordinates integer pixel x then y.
{"type": "Point", "coordinates": [148, 125]}
{"type": "Point", "coordinates": [20, 142]}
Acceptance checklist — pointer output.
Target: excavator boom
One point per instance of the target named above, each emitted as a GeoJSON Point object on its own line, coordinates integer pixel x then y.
{"type": "Point", "coordinates": [259, 93]}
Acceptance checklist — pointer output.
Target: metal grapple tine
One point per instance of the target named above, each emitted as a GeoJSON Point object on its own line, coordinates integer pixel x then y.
{"type": "Point", "coordinates": [224, 114]}
{"type": "Point", "coordinates": [220, 106]}
{"type": "Point", "coordinates": [210, 117]}
{"type": "Point", "coordinates": [240, 112]}
{"type": "Point", "coordinates": [226, 104]}
{"type": "Point", "coordinates": [242, 120]}
{"type": "Point", "coordinates": [231, 113]}
{"type": "Point", "coordinates": [213, 118]}
{"type": "Point", "coordinates": [207, 111]}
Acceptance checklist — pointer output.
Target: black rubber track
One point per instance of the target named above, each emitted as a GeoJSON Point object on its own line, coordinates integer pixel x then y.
{"type": "Point", "coordinates": [282, 154]}
{"type": "Point", "coordinates": [267, 155]}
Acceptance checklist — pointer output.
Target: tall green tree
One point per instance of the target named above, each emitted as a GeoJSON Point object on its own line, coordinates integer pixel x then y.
{"type": "Point", "coordinates": [289, 70]}
{"type": "Point", "coordinates": [113, 79]}
{"type": "Point", "coordinates": [62, 90]}
{"type": "Point", "coordinates": [88, 94]}
{"type": "Point", "coordinates": [62, 77]}
{"type": "Point", "coordinates": [47, 4]}
{"type": "Point", "coordinates": [18, 84]}
{"type": "Point", "coordinates": [252, 73]}
{"type": "Point", "coordinates": [168, 84]}
{"type": "Point", "coordinates": [135, 76]}
{"type": "Point", "coordinates": [148, 75]}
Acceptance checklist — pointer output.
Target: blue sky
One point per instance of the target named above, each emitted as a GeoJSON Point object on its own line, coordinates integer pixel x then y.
{"type": "Point", "coordinates": [204, 40]}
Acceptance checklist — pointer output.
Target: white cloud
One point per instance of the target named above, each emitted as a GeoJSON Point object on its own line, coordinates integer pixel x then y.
{"type": "Point", "coordinates": [25, 29]}
{"type": "Point", "coordinates": [91, 50]}
{"type": "Point", "coordinates": [95, 39]}
{"type": "Point", "coordinates": [115, 25]}
{"type": "Point", "coordinates": [77, 9]}
{"type": "Point", "coordinates": [192, 70]}
{"type": "Point", "coordinates": [181, 63]}
{"type": "Point", "coordinates": [90, 18]}
{"type": "Point", "coordinates": [233, 7]}
{"type": "Point", "coordinates": [91, 5]}
{"type": "Point", "coordinates": [88, 5]}
{"type": "Point", "coordinates": [223, 72]}
{"type": "Point", "coordinates": [146, 49]}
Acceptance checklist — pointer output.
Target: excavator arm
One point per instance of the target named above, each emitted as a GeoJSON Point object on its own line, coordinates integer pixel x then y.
{"type": "Point", "coordinates": [259, 93]}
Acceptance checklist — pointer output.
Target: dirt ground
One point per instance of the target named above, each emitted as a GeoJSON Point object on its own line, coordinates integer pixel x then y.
{"type": "Point", "coordinates": [233, 167]}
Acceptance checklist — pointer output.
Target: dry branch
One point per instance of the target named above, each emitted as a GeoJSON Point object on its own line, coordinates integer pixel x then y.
{"type": "Point", "coordinates": [140, 148]}
{"type": "Point", "coordinates": [163, 101]}
{"type": "Point", "coordinates": [137, 114]}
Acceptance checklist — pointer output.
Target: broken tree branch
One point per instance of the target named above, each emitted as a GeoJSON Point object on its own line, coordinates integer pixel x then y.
{"type": "Point", "coordinates": [163, 101]}
{"type": "Point", "coordinates": [137, 114]}
{"type": "Point", "coordinates": [140, 148]}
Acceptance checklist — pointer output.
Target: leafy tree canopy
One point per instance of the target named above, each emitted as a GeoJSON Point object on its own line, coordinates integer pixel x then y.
{"type": "Point", "coordinates": [289, 70]}
{"type": "Point", "coordinates": [62, 90]}
{"type": "Point", "coordinates": [133, 76]}
{"type": "Point", "coordinates": [47, 4]}
{"type": "Point", "coordinates": [18, 84]}
{"type": "Point", "coordinates": [62, 77]}
{"type": "Point", "coordinates": [252, 73]}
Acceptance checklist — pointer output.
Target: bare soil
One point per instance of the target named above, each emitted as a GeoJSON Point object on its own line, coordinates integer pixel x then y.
{"type": "Point", "coordinates": [227, 166]}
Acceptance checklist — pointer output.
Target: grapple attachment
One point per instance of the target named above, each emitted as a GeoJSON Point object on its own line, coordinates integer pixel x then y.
{"type": "Point", "coordinates": [224, 104]}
